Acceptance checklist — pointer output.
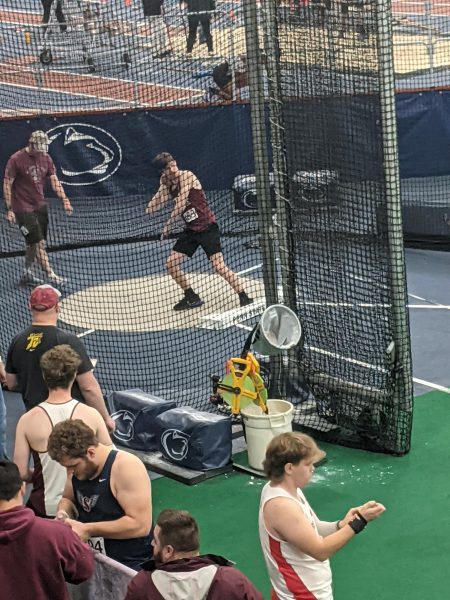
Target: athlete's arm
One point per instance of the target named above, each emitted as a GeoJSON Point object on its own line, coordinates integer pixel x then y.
{"type": "Point", "coordinates": [288, 522]}
{"type": "Point", "coordinates": [328, 527]}
{"type": "Point", "coordinates": [59, 191]}
{"type": "Point", "coordinates": [7, 195]}
{"type": "Point", "coordinates": [158, 200]}
{"type": "Point", "coordinates": [11, 381]}
{"type": "Point", "coordinates": [22, 451]}
{"type": "Point", "coordinates": [130, 485]}
{"type": "Point", "coordinates": [93, 395]}
{"type": "Point", "coordinates": [66, 506]}
{"type": "Point", "coordinates": [187, 181]}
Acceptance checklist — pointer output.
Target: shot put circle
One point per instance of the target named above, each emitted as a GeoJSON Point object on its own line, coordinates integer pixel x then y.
{"type": "Point", "coordinates": [146, 303]}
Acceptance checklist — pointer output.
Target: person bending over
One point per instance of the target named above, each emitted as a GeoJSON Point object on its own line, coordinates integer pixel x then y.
{"type": "Point", "coordinates": [107, 498]}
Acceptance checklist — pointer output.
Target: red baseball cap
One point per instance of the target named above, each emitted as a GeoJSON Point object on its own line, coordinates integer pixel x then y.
{"type": "Point", "coordinates": [44, 297]}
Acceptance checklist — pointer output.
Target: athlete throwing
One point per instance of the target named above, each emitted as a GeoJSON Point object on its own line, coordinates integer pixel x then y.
{"type": "Point", "coordinates": [190, 204]}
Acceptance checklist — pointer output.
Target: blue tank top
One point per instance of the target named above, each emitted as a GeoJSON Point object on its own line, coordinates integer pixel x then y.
{"type": "Point", "coordinates": [95, 502]}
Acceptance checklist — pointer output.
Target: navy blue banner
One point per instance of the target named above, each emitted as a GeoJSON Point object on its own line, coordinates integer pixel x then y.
{"type": "Point", "coordinates": [108, 154]}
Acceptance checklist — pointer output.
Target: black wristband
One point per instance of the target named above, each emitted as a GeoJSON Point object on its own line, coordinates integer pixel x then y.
{"type": "Point", "coordinates": [358, 523]}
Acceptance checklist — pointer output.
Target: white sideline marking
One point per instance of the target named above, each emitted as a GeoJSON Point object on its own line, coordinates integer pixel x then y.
{"type": "Point", "coordinates": [232, 317]}
{"type": "Point", "coordinates": [250, 269]}
{"type": "Point", "coordinates": [87, 332]}
{"type": "Point", "coordinates": [433, 386]}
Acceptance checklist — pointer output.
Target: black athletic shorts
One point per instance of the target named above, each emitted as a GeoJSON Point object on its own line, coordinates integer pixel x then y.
{"type": "Point", "coordinates": [209, 240]}
{"type": "Point", "coordinates": [33, 225]}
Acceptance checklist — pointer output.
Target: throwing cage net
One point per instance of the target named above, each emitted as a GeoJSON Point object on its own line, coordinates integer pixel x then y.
{"type": "Point", "coordinates": [303, 182]}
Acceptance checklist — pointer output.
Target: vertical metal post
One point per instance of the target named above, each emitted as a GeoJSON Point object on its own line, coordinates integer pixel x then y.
{"type": "Point", "coordinates": [401, 355]}
{"type": "Point", "coordinates": [261, 159]}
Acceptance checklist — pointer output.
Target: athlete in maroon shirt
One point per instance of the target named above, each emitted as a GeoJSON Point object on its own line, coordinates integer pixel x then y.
{"type": "Point", "coordinates": [23, 190]}
{"type": "Point", "coordinates": [190, 204]}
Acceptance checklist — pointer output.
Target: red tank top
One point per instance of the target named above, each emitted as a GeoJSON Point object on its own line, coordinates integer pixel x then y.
{"type": "Point", "coordinates": [197, 215]}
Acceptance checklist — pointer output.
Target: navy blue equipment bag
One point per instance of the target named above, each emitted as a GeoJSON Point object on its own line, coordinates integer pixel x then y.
{"type": "Point", "coordinates": [135, 412]}
{"type": "Point", "coordinates": [193, 439]}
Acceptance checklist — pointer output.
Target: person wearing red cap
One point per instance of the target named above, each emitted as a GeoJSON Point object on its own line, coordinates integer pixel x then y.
{"type": "Point", "coordinates": [23, 191]}
{"type": "Point", "coordinates": [23, 371]}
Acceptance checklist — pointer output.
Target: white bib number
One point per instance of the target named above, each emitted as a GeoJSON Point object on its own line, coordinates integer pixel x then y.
{"type": "Point", "coordinates": [97, 543]}
{"type": "Point", "coordinates": [190, 215]}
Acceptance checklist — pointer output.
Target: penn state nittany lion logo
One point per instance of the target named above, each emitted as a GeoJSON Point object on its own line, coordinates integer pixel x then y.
{"type": "Point", "coordinates": [124, 425]}
{"type": "Point", "coordinates": [87, 503]}
{"type": "Point", "coordinates": [175, 443]}
{"type": "Point", "coordinates": [87, 154]}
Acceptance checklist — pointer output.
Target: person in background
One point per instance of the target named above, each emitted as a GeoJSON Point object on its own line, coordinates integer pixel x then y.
{"type": "Point", "coordinates": [23, 190]}
{"type": "Point", "coordinates": [23, 369]}
{"type": "Point", "coordinates": [296, 544]}
{"type": "Point", "coordinates": [178, 571]}
{"type": "Point", "coordinates": [59, 368]}
{"type": "Point", "coordinates": [47, 6]}
{"type": "Point", "coordinates": [107, 498]}
{"type": "Point", "coordinates": [199, 13]}
{"type": "Point", "coordinates": [2, 412]}
{"type": "Point", "coordinates": [37, 556]}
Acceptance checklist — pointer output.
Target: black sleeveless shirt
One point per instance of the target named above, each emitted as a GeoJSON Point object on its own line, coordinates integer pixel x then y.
{"type": "Point", "coordinates": [95, 502]}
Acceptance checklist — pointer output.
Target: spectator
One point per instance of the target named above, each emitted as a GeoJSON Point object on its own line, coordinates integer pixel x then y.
{"type": "Point", "coordinates": [107, 490]}
{"type": "Point", "coordinates": [178, 571]}
{"type": "Point", "coordinates": [47, 6]}
{"type": "Point", "coordinates": [2, 412]}
{"type": "Point", "coordinates": [59, 368]}
{"type": "Point", "coordinates": [23, 190]}
{"type": "Point", "coordinates": [227, 76]}
{"type": "Point", "coordinates": [37, 556]}
{"type": "Point", "coordinates": [199, 12]}
{"type": "Point", "coordinates": [157, 28]}
{"type": "Point", "coordinates": [23, 370]}
{"type": "Point", "coordinates": [296, 544]}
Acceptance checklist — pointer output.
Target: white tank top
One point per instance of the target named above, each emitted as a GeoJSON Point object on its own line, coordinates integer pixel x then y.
{"type": "Point", "coordinates": [293, 574]}
{"type": "Point", "coordinates": [49, 476]}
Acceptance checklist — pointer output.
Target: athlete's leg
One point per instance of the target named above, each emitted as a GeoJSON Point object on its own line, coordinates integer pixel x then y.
{"type": "Point", "coordinates": [219, 266]}
{"type": "Point", "coordinates": [42, 257]}
{"type": "Point", "coordinates": [173, 266]}
{"type": "Point", "coordinates": [30, 255]}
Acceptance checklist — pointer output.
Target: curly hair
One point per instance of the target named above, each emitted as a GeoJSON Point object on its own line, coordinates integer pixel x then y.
{"type": "Point", "coordinates": [178, 529]}
{"type": "Point", "coordinates": [59, 366]}
{"type": "Point", "coordinates": [70, 438]}
{"type": "Point", "coordinates": [291, 447]}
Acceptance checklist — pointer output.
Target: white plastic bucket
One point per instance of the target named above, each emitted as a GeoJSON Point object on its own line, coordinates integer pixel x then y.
{"type": "Point", "coordinates": [261, 428]}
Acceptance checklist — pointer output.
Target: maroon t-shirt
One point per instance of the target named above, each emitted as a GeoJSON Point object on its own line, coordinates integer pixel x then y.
{"type": "Point", "coordinates": [197, 215]}
{"type": "Point", "coordinates": [29, 172]}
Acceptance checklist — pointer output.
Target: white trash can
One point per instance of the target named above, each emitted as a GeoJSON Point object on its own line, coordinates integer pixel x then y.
{"type": "Point", "coordinates": [261, 428]}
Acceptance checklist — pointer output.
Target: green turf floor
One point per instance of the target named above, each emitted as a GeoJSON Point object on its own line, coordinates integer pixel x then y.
{"type": "Point", "coordinates": [403, 556]}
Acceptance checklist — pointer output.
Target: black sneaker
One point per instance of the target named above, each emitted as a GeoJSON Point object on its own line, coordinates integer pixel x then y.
{"type": "Point", "coordinates": [30, 279]}
{"type": "Point", "coordinates": [244, 300]}
{"type": "Point", "coordinates": [187, 303]}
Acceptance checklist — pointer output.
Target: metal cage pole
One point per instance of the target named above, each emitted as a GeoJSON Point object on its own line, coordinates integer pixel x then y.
{"type": "Point", "coordinates": [398, 355]}
{"type": "Point", "coordinates": [261, 159]}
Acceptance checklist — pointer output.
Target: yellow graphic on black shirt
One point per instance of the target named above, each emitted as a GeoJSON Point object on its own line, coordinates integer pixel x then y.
{"type": "Point", "coordinates": [34, 339]}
